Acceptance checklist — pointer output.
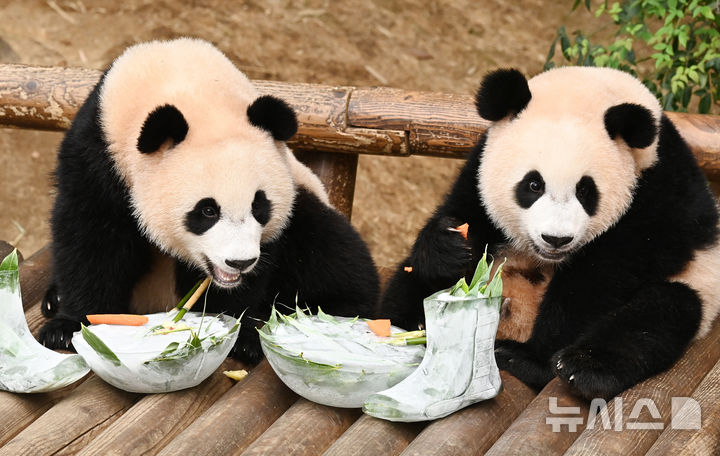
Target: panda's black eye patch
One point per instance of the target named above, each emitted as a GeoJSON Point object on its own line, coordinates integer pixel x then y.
{"type": "Point", "coordinates": [529, 189]}
{"type": "Point", "coordinates": [261, 207]}
{"type": "Point", "coordinates": [587, 193]}
{"type": "Point", "coordinates": [203, 216]}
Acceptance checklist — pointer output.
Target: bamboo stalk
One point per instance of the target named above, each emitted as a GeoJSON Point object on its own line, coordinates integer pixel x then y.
{"type": "Point", "coordinates": [193, 299]}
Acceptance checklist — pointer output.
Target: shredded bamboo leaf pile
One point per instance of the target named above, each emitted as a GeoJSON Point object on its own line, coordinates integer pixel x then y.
{"type": "Point", "coordinates": [151, 359]}
{"type": "Point", "coordinates": [25, 365]}
{"type": "Point", "coordinates": [335, 361]}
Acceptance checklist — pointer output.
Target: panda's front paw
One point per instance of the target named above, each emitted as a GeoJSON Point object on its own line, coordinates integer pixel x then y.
{"type": "Point", "coordinates": [441, 250]}
{"type": "Point", "coordinates": [57, 333]}
{"type": "Point", "coordinates": [247, 347]}
{"type": "Point", "coordinates": [518, 359]}
{"type": "Point", "coordinates": [590, 373]}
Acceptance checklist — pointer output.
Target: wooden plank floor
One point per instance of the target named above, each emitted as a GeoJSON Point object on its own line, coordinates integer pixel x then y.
{"type": "Point", "coordinates": [260, 416]}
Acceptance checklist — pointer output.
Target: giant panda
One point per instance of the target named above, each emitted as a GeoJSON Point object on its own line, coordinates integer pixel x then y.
{"type": "Point", "coordinates": [608, 226]}
{"type": "Point", "coordinates": [174, 169]}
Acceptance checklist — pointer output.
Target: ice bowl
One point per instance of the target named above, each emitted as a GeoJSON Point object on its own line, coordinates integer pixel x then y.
{"type": "Point", "coordinates": [335, 361]}
{"type": "Point", "coordinates": [159, 363]}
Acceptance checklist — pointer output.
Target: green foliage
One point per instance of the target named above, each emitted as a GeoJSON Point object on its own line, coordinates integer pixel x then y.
{"type": "Point", "coordinates": [682, 37]}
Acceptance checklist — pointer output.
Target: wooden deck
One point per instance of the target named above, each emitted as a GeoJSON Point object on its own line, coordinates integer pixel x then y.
{"type": "Point", "coordinates": [259, 415]}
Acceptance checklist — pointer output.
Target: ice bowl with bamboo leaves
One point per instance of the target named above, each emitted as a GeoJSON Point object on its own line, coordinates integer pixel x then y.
{"type": "Point", "coordinates": [161, 355]}
{"type": "Point", "coordinates": [337, 361]}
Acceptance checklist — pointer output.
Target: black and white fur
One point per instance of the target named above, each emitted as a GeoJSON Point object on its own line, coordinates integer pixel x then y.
{"type": "Point", "coordinates": [608, 225]}
{"type": "Point", "coordinates": [175, 169]}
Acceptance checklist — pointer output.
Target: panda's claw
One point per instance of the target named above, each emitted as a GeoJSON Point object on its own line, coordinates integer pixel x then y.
{"type": "Point", "coordinates": [587, 374]}
{"type": "Point", "coordinates": [57, 333]}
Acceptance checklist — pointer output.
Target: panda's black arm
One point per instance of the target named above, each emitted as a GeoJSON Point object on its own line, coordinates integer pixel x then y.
{"type": "Point", "coordinates": [642, 338]}
{"type": "Point", "coordinates": [440, 256]}
{"type": "Point", "coordinates": [97, 250]}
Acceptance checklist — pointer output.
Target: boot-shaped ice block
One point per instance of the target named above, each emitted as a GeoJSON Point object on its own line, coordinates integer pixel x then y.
{"type": "Point", "coordinates": [459, 366]}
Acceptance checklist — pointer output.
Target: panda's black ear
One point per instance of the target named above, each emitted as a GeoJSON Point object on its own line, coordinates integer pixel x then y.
{"type": "Point", "coordinates": [165, 122]}
{"type": "Point", "coordinates": [502, 93]}
{"type": "Point", "coordinates": [635, 124]}
{"type": "Point", "coordinates": [274, 115]}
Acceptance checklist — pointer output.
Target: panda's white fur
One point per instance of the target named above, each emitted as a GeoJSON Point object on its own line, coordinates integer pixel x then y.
{"type": "Point", "coordinates": [562, 103]}
{"type": "Point", "coordinates": [701, 274]}
{"type": "Point", "coordinates": [228, 158]}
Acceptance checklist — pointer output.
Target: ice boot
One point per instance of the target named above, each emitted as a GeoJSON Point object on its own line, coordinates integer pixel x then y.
{"type": "Point", "coordinates": [459, 366]}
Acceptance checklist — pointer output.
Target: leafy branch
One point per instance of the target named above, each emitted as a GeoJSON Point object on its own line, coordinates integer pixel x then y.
{"type": "Point", "coordinates": [681, 37]}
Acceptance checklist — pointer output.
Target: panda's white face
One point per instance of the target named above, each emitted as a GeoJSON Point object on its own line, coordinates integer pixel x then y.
{"type": "Point", "coordinates": [561, 162]}
{"type": "Point", "coordinates": [224, 244]}
{"type": "Point", "coordinates": [553, 185]}
{"type": "Point", "coordinates": [556, 216]}
{"type": "Point", "coordinates": [221, 209]}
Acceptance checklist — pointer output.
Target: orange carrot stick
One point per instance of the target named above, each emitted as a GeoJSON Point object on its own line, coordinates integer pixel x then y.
{"type": "Point", "coordinates": [380, 327]}
{"type": "Point", "coordinates": [463, 229]}
{"type": "Point", "coordinates": [117, 319]}
{"type": "Point", "coordinates": [407, 269]}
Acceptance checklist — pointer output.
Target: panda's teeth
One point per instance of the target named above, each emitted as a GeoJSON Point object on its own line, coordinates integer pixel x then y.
{"type": "Point", "coordinates": [225, 276]}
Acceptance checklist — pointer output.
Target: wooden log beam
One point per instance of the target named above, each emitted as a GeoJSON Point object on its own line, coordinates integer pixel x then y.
{"type": "Point", "coordinates": [156, 419]}
{"type": "Point", "coordinates": [374, 436]}
{"type": "Point", "coordinates": [532, 432]}
{"type": "Point", "coordinates": [239, 417]}
{"type": "Point", "coordinates": [332, 119]}
{"type": "Point", "coordinates": [305, 429]}
{"type": "Point", "coordinates": [92, 406]}
{"type": "Point", "coordinates": [689, 441]}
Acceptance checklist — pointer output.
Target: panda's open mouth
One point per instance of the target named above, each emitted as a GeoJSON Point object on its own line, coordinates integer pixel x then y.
{"type": "Point", "coordinates": [223, 278]}
{"type": "Point", "coordinates": [554, 256]}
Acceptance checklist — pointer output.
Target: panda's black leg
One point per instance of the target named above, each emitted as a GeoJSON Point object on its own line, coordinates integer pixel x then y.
{"type": "Point", "coordinates": [643, 338]}
{"type": "Point", "coordinates": [520, 360]}
{"type": "Point", "coordinates": [247, 348]}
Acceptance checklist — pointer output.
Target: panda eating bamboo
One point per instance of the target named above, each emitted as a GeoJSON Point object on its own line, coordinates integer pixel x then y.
{"type": "Point", "coordinates": [175, 168]}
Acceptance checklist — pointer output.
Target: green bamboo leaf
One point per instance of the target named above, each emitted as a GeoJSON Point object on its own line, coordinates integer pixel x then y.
{"type": "Point", "coordinates": [98, 345]}
{"type": "Point", "coordinates": [481, 270]}
{"type": "Point", "coordinates": [10, 262]}
{"type": "Point", "coordinates": [325, 317]}
{"type": "Point", "coordinates": [169, 349]}
{"type": "Point", "coordinates": [495, 287]}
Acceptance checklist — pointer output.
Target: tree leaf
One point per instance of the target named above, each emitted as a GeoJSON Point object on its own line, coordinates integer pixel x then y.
{"type": "Point", "coordinates": [704, 105]}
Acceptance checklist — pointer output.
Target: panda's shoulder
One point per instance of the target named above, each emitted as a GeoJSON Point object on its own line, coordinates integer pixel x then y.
{"type": "Point", "coordinates": [310, 213]}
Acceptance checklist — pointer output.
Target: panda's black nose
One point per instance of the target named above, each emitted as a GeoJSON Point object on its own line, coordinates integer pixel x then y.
{"type": "Point", "coordinates": [556, 241]}
{"type": "Point", "coordinates": [241, 265]}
